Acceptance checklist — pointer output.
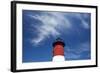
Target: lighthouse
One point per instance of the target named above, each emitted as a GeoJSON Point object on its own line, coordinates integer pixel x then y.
{"type": "Point", "coordinates": [58, 50]}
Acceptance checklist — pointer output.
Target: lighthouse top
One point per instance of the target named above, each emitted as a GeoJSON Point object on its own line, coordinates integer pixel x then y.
{"type": "Point", "coordinates": [59, 41]}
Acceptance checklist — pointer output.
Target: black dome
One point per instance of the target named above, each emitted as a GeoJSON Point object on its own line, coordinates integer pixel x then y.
{"type": "Point", "coordinates": [59, 41]}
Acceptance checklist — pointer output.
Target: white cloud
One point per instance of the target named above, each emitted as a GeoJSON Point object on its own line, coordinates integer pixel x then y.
{"type": "Point", "coordinates": [73, 56]}
{"type": "Point", "coordinates": [78, 51]}
{"type": "Point", "coordinates": [84, 24]}
{"type": "Point", "coordinates": [52, 23]}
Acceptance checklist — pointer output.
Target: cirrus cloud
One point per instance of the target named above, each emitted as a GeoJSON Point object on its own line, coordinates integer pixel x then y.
{"type": "Point", "coordinates": [53, 23]}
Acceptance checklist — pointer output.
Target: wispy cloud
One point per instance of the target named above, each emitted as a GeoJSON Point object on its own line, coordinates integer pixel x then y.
{"type": "Point", "coordinates": [81, 17]}
{"type": "Point", "coordinates": [53, 23]}
{"type": "Point", "coordinates": [78, 51]}
{"type": "Point", "coordinates": [83, 21]}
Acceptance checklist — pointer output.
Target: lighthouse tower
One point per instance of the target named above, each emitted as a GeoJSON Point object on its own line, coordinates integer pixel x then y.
{"type": "Point", "coordinates": [58, 50]}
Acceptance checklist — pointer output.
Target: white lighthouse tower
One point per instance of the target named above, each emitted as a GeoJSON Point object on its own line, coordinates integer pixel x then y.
{"type": "Point", "coordinates": [58, 50]}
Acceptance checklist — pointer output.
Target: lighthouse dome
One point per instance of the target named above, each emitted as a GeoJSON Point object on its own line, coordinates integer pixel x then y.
{"type": "Point", "coordinates": [59, 41]}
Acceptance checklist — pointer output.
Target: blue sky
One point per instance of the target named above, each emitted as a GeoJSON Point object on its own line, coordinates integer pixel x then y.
{"type": "Point", "coordinates": [41, 28]}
